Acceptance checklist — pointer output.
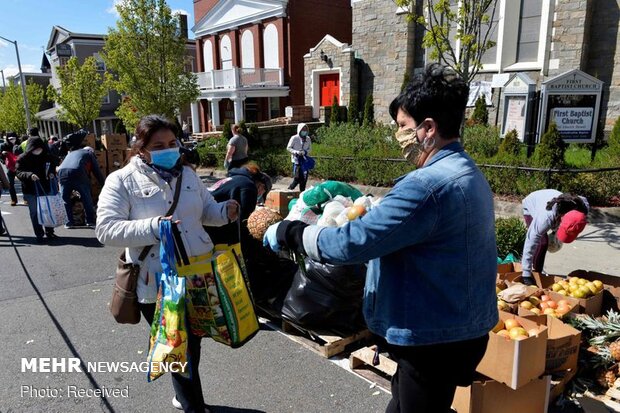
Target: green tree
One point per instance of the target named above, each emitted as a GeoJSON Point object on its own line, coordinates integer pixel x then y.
{"type": "Point", "coordinates": [147, 56]}
{"type": "Point", "coordinates": [614, 137]}
{"type": "Point", "coordinates": [227, 130]}
{"type": "Point", "coordinates": [334, 115]}
{"type": "Point", "coordinates": [82, 88]}
{"type": "Point", "coordinates": [12, 111]}
{"type": "Point", "coordinates": [481, 114]}
{"type": "Point", "coordinates": [510, 144]}
{"type": "Point", "coordinates": [456, 35]}
{"type": "Point", "coordinates": [369, 111]}
{"type": "Point", "coordinates": [550, 152]}
{"type": "Point", "coordinates": [353, 111]}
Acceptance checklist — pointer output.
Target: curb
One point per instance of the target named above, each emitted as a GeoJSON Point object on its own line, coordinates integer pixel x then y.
{"type": "Point", "coordinates": [503, 209]}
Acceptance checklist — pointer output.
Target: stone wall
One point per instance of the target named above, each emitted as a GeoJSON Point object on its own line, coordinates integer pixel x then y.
{"type": "Point", "coordinates": [604, 56]}
{"type": "Point", "coordinates": [383, 41]}
{"type": "Point", "coordinates": [569, 35]}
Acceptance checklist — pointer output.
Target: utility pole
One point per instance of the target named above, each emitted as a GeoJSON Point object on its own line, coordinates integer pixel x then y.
{"type": "Point", "coordinates": [22, 80]}
{"type": "Point", "coordinates": [3, 83]}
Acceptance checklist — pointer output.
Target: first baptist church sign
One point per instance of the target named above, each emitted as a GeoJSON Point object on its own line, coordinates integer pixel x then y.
{"type": "Point", "coordinates": [572, 100]}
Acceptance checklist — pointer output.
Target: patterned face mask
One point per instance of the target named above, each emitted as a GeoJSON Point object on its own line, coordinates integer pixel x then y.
{"type": "Point", "coordinates": [410, 145]}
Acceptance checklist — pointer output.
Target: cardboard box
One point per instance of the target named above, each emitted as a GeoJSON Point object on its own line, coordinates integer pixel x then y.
{"type": "Point", "coordinates": [489, 396]}
{"type": "Point", "coordinates": [592, 305]}
{"type": "Point", "coordinates": [114, 141]}
{"type": "Point", "coordinates": [115, 159]}
{"type": "Point", "coordinates": [279, 200]}
{"type": "Point", "coordinates": [611, 286]}
{"type": "Point", "coordinates": [90, 140]}
{"type": "Point", "coordinates": [504, 268]}
{"type": "Point", "coordinates": [515, 363]}
{"type": "Point", "coordinates": [102, 160]}
{"type": "Point", "coordinates": [562, 344]}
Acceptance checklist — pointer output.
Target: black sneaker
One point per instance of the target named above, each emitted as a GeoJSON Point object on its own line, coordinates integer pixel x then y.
{"type": "Point", "coordinates": [51, 235]}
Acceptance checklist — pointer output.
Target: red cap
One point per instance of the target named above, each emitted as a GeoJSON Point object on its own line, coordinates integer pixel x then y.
{"type": "Point", "coordinates": [571, 225]}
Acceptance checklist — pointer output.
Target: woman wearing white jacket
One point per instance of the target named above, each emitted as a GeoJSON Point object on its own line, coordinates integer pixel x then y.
{"type": "Point", "coordinates": [299, 146]}
{"type": "Point", "coordinates": [133, 201]}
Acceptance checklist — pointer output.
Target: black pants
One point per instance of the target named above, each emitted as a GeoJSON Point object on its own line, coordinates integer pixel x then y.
{"type": "Point", "coordinates": [11, 176]}
{"type": "Point", "coordinates": [188, 390]}
{"type": "Point", "coordinates": [538, 259]}
{"type": "Point", "coordinates": [427, 376]}
{"type": "Point", "coordinates": [299, 177]}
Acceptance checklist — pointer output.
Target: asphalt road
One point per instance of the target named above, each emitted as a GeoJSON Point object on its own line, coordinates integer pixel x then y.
{"type": "Point", "coordinates": [53, 299]}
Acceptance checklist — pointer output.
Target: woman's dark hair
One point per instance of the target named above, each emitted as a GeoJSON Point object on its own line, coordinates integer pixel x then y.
{"type": "Point", "coordinates": [567, 202]}
{"type": "Point", "coordinates": [438, 93]}
{"type": "Point", "coordinates": [147, 127]}
{"type": "Point", "coordinates": [259, 176]}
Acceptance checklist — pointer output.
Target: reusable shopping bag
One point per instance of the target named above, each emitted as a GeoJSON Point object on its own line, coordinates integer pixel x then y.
{"type": "Point", "coordinates": [169, 328]}
{"type": "Point", "coordinates": [219, 301]}
{"type": "Point", "coordinates": [50, 207]}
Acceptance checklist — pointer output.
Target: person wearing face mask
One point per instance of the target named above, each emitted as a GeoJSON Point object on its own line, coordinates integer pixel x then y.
{"type": "Point", "coordinates": [37, 166]}
{"type": "Point", "coordinates": [299, 146]}
{"type": "Point", "coordinates": [132, 202]}
{"type": "Point", "coordinates": [236, 150]}
{"type": "Point", "coordinates": [430, 247]}
{"type": "Point", "coordinates": [10, 161]}
{"type": "Point", "coordinates": [74, 174]}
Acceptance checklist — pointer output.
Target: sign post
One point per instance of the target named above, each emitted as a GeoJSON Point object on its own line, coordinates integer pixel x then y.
{"type": "Point", "coordinates": [572, 100]}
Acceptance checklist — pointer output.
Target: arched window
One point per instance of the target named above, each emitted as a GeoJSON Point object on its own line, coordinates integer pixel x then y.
{"type": "Point", "coordinates": [247, 50]}
{"type": "Point", "coordinates": [271, 47]}
{"type": "Point", "coordinates": [207, 51]}
{"type": "Point", "coordinates": [226, 52]}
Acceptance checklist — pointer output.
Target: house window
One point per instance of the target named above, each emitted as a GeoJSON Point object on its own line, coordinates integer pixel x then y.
{"type": "Point", "coordinates": [99, 62]}
{"type": "Point", "coordinates": [62, 61]}
{"type": "Point", "coordinates": [521, 33]}
{"type": "Point", "coordinates": [529, 31]}
{"type": "Point", "coordinates": [189, 64]}
{"type": "Point", "coordinates": [271, 49]}
{"type": "Point", "coordinates": [226, 52]}
{"type": "Point", "coordinates": [490, 56]}
{"type": "Point", "coordinates": [207, 51]}
{"type": "Point", "coordinates": [247, 50]}
{"type": "Point", "coordinates": [274, 108]}
{"type": "Point", "coordinates": [106, 99]}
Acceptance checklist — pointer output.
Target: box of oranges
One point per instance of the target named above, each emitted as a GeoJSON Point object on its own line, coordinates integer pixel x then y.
{"type": "Point", "coordinates": [516, 352]}
{"type": "Point", "coordinates": [589, 293]}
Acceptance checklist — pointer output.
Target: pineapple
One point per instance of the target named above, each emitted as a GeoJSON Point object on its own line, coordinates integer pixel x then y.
{"type": "Point", "coordinates": [607, 377]}
{"type": "Point", "coordinates": [260, 220]}
{"type": "Point", "coordinates": [614, 349]}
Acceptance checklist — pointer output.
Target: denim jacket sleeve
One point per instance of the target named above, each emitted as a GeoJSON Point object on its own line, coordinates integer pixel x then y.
{"type": "Point", "coordinates": [406, 216]}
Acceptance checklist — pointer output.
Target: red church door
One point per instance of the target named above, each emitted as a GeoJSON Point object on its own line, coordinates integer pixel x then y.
{"type": "Point", "coordinates": [330, 88]}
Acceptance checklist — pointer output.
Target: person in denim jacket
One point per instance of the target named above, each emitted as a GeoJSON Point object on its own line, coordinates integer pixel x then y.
{"type": "Point", "coordinates": [430, 248]}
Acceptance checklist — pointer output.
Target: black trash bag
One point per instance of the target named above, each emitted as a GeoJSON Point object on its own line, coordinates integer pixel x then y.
{"type": "Point", "coordinates": [327, 297]}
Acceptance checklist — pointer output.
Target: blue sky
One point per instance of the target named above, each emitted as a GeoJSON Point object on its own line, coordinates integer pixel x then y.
{"type": "Point", "coordinates": [30, 22]}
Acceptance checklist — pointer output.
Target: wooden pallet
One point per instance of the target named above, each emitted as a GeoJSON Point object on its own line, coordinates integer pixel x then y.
{"type": "Point", "coordinates": [326, 344]}
{"type": "Point", "coordinates": [323, 344]}
{"type": "Point", "coordinates": [611, 399]}
{"type": "Point", "coordinates": [361, 360]}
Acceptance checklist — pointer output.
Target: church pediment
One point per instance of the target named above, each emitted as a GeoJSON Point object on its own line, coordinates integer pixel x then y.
{"type": "Point", "coordinates": [229, 14]}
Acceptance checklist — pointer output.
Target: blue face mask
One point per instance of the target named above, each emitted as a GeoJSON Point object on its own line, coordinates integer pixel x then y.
{"type": "Point", "coordinates": [303, 133]}
{"type": "Point", "coordinates": [165, 158]}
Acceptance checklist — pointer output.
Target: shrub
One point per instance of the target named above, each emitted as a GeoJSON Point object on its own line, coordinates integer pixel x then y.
{"type": "Point", "coordinates": [510, 144]}
{"type": "Point", "coordinates": [614, 137]}
{"type": "Point", "coordinates": [227, 130]}
{"type": "Point", "coordinates": [550, 152]}
{"type": "Point", "coordinates": [369, 111]}
{"type": "Point", "coordinates": [353, 114]}
{"type": "Point", "coordinates": [481, 141]}
{"type": "Point", "coordinates": [212, 151]}
{"type": "Point", "coordinates": [481, 114]}
{"type": "Point", "coordinates": [510, 236]}
{"type": "Point", "coordinates": [334, 116]}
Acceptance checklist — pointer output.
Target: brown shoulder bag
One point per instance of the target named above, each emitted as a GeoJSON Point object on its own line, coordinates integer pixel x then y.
{"type": "Point", "coordinates": [124, 303]}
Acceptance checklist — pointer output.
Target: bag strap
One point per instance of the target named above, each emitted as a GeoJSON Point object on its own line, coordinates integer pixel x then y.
{"type": "Point", "coordinates": [177, 193]}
